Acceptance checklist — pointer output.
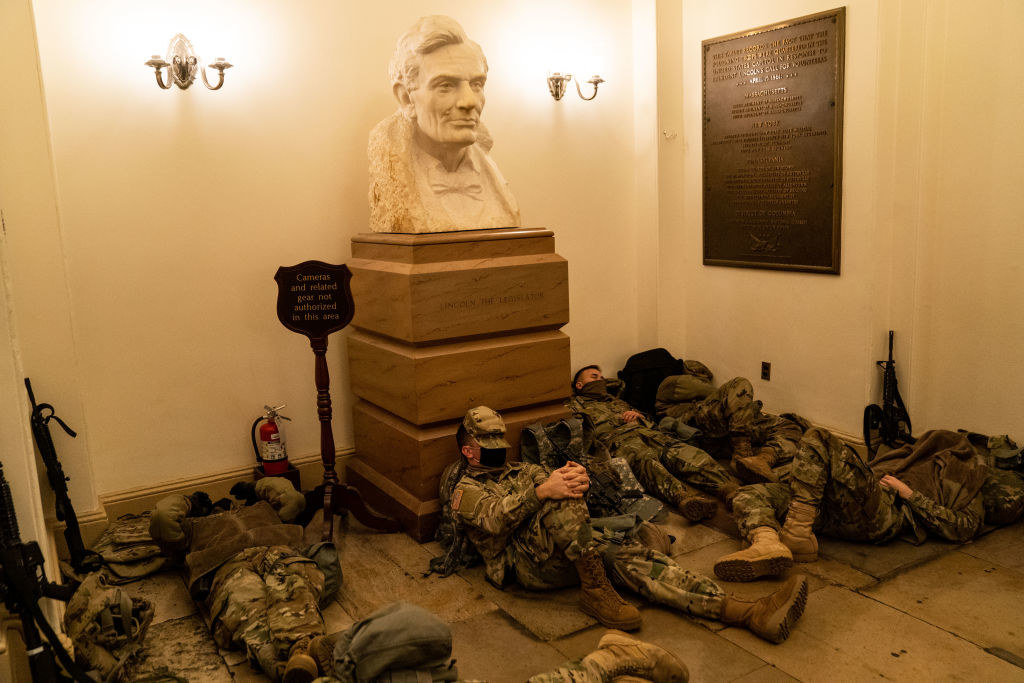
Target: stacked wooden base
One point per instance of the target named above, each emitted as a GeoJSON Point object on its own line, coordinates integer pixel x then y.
{"type": "Point", "coordinates": [445, 322]}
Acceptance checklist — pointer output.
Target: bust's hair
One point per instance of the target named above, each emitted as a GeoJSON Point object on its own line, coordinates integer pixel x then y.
{"type": "Point", "coordinates": [426, 35]}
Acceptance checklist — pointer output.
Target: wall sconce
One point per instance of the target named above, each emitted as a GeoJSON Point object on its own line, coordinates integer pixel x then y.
{"type": "Point", "coordinates": [182, 65]}
{"type": "Point", "coordinates": [557, 83]}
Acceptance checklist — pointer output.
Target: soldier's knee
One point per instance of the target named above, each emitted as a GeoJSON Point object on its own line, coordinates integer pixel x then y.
{"type": "Point", "coordinates": [739, 386]}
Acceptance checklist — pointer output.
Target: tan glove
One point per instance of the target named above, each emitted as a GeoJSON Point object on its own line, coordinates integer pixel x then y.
{"type": "Point", "coordinates": [167, 524]}
{"type": "Point", "coordinates": [282, 496]}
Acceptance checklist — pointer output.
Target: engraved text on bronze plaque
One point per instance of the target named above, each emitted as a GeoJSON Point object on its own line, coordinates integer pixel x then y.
{"type": "Point", "coordinates": [773, 103]}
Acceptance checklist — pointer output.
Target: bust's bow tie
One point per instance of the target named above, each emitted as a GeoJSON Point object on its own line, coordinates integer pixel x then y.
{"type": "Point", "coordinates": [456, 186]}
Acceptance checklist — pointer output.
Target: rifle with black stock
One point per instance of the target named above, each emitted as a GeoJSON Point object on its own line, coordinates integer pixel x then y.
{"type": "Point", "coordinates": [83, 561]}
{"type": "Point", "coordinates": [22, 585]}
{"type": "Point", "coordinates": [890, 421]}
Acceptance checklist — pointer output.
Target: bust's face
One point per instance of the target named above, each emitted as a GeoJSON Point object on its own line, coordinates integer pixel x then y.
{"type": "Point", "coordinates": [450, 95]}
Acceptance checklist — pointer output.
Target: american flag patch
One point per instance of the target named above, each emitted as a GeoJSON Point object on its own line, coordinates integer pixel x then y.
{"type": "Point", "coordinates": [456, 499]}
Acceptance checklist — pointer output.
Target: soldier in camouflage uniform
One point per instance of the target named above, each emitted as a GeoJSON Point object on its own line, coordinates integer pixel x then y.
{"type": "Point", "coordinates": [660, 461]}
{"type": "Point", "coordinates": [247, 565]}
{"type": "Point", "coordinates": [730, 422]}
{"type": "Point", "coordinates": [532, 527]}
{"type": "Point", "coordinates": [832, 491]}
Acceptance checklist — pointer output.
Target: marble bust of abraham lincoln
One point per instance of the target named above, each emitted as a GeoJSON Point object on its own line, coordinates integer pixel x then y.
{"type": "Point", "coordinates": [430, 170]}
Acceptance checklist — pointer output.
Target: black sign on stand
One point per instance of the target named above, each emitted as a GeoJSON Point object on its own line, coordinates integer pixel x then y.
{"type": "Point", "coordinates": [314, 298]}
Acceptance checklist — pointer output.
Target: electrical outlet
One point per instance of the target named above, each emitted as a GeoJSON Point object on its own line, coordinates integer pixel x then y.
{"type": "Point", "coordinates": [766, 371]}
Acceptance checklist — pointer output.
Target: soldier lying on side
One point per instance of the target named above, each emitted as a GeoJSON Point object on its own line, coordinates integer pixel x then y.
{"type": "Point", "coordinates": [532, 527]}
{"type": "Point", "coordinates": [666, 466]}
{"type": "Point", "coordinates": [940, 484]}
{"type": "Point", "coordinates": [248, 565]}
{"type": "Point", "coordinates": [729, 422]}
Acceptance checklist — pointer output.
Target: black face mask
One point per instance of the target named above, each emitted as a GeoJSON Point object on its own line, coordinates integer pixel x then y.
{"type": "Point", "coordinates": [492, 457]}
{"type": "Point", "coordinates": [596, 388]}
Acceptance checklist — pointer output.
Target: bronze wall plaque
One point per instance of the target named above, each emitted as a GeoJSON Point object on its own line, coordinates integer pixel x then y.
{"type": "Point", "coordinates": [773, 139]}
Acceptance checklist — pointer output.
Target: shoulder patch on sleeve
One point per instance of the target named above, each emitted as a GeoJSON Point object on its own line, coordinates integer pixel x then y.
{"type": "Point", "coordinates": [456, 500]}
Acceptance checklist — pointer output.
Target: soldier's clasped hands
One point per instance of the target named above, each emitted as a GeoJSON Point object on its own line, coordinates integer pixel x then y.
{"type": "Point", "coordinates": [568, 481]}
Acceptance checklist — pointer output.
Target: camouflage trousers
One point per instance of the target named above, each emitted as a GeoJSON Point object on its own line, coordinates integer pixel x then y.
{"type": "Point", "coordinates": [263, 600]}
{"type": "Point", "coordinates": [544, 559]}
{"type": "Point", "coordinates": [664, 466]}
{"type": "Point", "coordinates": [729, 410]}
{"type": "Point", "coordinates": [780, 434]}
{"type": "Point", "coordinates": [1003, 496]}
{"type": "Point", "coordinates": [830, 476]}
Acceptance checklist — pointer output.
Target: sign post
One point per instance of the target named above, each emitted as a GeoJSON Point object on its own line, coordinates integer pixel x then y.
{"type": "Point", "coordinates": [314, 298]}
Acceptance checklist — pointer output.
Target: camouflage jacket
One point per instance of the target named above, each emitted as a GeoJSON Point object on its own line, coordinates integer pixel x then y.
{"type": "Point", "coordinates": [604, 416]}
{"type": "Point", "coordinates": [954, 525]}
{"type": "Point", "coordinates": [492, 505]}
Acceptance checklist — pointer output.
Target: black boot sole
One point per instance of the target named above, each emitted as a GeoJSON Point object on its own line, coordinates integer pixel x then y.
{"type": "Point", "coordinates": [747, 570]}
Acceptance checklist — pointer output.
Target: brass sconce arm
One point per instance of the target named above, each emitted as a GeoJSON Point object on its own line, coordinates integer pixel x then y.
{"type": "Point", "coordinates": [595, 80]}
{"type": "Point", "coordinates": [158, 65]}
{"type": "Point", "coordinates": [220, 65]}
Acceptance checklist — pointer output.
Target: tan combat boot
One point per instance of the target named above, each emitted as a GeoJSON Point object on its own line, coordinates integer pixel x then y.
{"type": "Point", "coordinates": [622, 658]}
{"type": "Point", "coordinates": [654, 537]}
{"type": "Point", "coordinates": [599, 599]}
{"type": "Point", "coordinates": [756, 469]}
{"type": "Point", "coordinates": [797, 533]}
{"type": "Point", "coordinates": [300, 668]}
{"type": "Point", "coordinates": [773, 616]}
{"type": "Point", "coordinates": [321, 649]}
{"type": "Point", "coordinates": [766, 556]}
{"type": "Point", "coordinates": [694, 505]}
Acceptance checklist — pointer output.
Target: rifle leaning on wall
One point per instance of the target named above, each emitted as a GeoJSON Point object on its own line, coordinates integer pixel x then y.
{"type": "Point", "coordinates": [22, 585]}
{"type": "Point", "coordinates": [890, 420]}
{"type": "Point", "coordinates": [84, 561]}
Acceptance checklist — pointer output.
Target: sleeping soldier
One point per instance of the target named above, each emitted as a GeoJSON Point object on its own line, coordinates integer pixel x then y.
{"type": "Point", "coordinates": [661, 462]}
{"type": "Point", "coordinates": [248, 566]}
{"type": "Point", "coordinates": [936, 485]}
{"type": "Point", "coordinates": [730, 423]}
{"type": "Point", "coordinates": [532, 527]}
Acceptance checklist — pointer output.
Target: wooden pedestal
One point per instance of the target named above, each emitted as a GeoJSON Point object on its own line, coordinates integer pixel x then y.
{"type": "Point", "coordinates": [445, 322]}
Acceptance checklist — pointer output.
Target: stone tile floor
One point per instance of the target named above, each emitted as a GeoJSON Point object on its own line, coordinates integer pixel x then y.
{"type": "Point", "coordinates": [937, 612]}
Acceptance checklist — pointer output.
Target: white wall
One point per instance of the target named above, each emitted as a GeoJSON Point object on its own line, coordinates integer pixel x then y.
{"type": "Point", "coordinates": [27, 209]}
{"type": "Point", "coordinates": [144, 226]}
{"type": "Point", "coordinates": [930, 222]}
{"type": "Point", "coordinates": [955, 208]}
{"type": "Point", "coordinates": [176, 207]}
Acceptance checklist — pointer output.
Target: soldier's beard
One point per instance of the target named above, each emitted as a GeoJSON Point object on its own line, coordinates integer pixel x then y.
{"type": "Point", "coordinates": [597, 388]}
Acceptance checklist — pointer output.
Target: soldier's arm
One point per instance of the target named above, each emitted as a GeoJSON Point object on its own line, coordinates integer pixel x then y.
{"type": "Point", "coordinates": [490, 512]}
{"type": "Point", "coordinates": [954, 525]}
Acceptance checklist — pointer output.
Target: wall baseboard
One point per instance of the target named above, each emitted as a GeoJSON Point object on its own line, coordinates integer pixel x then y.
{"type": "Point", "coordinates": [217, 484]}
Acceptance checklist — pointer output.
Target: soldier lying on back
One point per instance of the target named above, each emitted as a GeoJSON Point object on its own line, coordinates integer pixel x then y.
{"type": "Point", "coordinates": [532, 527]}
{"type": "Point", "coordinates": [665, 465]}
{"type": "Point", "coordinates": [944, 487]}
{"type": "Point", "coordinates": [248, 565]}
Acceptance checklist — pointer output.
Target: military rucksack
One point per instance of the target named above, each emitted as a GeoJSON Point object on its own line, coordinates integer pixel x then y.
{"type": "Point", "coordinates": [106, 625]}
{"type": "Point", "coordinates": [457, 551]}
{"type": "Point", "coordinates": [642, 374]}
{"type": "Point", "coordinates": [400, 643]}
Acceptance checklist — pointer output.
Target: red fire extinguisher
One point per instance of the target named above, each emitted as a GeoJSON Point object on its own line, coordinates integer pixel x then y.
{"type": "Point", "coordinates": [270, 449]}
